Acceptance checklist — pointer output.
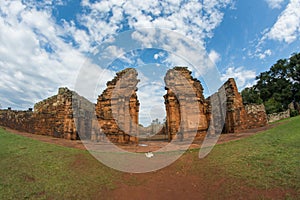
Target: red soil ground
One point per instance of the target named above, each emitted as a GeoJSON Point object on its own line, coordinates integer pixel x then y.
{"type": "Point", "coordinates": [172, 183]}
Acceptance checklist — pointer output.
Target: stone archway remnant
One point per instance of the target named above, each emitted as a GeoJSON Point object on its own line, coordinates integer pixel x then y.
{"type": "Point", "coordinates": [115, 114]}
{"type": "Point", "coordinates": [186, 108]}
{"type": "Point", "coordinates": [117, 108]}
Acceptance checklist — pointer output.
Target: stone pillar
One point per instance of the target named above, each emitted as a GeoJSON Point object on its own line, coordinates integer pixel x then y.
{"type": "Point", "coordinates": [117, 108]}
{"type": "Point", "coordinates": [185, 104]}
{"type": "Point", "coordinates": [236, 116]}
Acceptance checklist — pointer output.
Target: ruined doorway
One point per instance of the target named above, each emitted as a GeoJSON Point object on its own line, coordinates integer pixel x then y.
{"type": "Point", "coordinates": [152, 113]}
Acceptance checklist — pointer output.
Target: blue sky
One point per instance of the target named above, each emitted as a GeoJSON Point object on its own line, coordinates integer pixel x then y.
{"type": "Point", "coordinates": [81, 44]}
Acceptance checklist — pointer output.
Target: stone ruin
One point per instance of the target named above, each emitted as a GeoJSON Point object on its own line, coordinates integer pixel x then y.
{"type": "Point", "coordinates": [186, 107]}
{"type": "Point", "coordinates": [278, 116]}
{"type": "Point", "coordinates": [53, 116]}
{"type": "Point", "coordinates": [115, 115]}
{"type": "Point", "coordinates": [117, 108]}
{"type": "Point", "coordinates": [256, 114]}
{"type": "Point", "coordinates": [236, 116]}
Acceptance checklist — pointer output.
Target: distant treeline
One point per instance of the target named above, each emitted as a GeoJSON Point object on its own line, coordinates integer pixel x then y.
{"type": "Point", "coordinates": [278, 87]}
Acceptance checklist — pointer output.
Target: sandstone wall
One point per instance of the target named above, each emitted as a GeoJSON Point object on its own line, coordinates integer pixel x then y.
{"type": "Point", "coordinates": [117, 108]}
{"type": "Point", "coordinates": [216, 111]}
{"type": "Point", "coordinates": [53, 116]}
{"type": "Point", "coordinates": [236, 116]}
{"type": "Point", "coordinates": [257, 116]}
{"type": "Point", "coordinates": [185, 104]}
{"type": "Point", "coordinates": [68, 115]}
{"type": "Point", "coordinates": [278, 116]}
{"type": "Point", "coordinates": [18, 120]}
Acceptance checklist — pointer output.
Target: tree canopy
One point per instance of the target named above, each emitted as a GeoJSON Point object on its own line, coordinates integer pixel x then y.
{"type": "Point", "coordinates": [278, 87]}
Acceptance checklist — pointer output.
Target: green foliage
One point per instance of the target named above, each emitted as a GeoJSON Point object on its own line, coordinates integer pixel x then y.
{"type": "Point", "coordinates": [296, 91]}
{"type": "Point", "coordinates": [251, 96]}
{"type": "Point", "coordinates": [294, 113]}
{"type": "Point", "coordinates": [277, 87]}
{"type": "Point", "coordinates": [294, 67]}
{"type": "Point", "coordinates": [273, 106]}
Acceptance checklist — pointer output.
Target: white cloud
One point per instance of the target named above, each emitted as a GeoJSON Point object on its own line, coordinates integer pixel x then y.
{"type": "Point", "coordinates": [189, 23]}
{"type": "Point", "coordinates": [242, 76]}
{"type": "Point", "coordinates": [150, 95]}
{"type": "Point", "coordinates": [287, 26]}
{"type": "Point", "coordinates": [274, 3]}
{"type": "Point", "coordinates": [194, 20]}
{"type": "Point", "coordinates": [214, 56]}
{"type": "Point", "coordinates": [159, 55]}
{"type": "Point", "coordinates": [35, 61]}
{"type": "Point", "coordinates": [266, 53]}
{"type": "Point", "coordinates": [113, 52]}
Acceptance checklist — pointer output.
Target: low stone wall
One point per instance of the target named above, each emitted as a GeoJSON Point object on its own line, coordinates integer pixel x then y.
{"type": "Point", "coordinates": [256, 115]}
{"type": "Point", "coordinates": [278, 116]}
{"type": "Point", "coordinates": [18, 120]}
{"type": "Point", "coordinates": [53, 116]}
{"type": "Point", "coordinates": [238, 116]}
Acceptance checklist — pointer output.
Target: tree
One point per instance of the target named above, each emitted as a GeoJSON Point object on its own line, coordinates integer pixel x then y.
{"type": "Point", "coordinates": [277, 87]}
{"type": "Point", "coordinates": [251, 96]}
{"type": "Point", "coordinates": [294, 75]}
{"type": "Point", "coordinates": [294, 67]}
{"type": "Point", "coordinates": [273, 106]}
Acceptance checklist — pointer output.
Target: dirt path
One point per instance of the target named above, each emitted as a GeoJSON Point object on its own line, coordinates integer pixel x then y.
{"type": "Point", "coordinates": [79, 145]}
{"type": "Point", "coordinates": [180, 183]}
{"type": "Point", "coordinates": [173, 183]}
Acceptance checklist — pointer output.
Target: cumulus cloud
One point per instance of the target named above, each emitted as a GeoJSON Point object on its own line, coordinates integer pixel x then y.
{"type": "Point", "coordinates": [214, 56]}
{"type": "Point", "coordinates": [264, 54]}
{"type": "Point", "coordinates": [34, 59]}
{"type": "Point", "coordinates": [151, 106]}
{"type": "Point", "coordinates": [113, 52]}
{"type": "Point", "coordinates": [159, 55]}
{"type": "Point", "coordinates": [189, 23]}
{"type": "Point", "coordinates": [274, 3]}
{"type": "Point", "coordinates": [194, 20]}
{"type": "Point", "coordinates": [38, 54]}
{"type": "Point", "coordinates": [287, 27]}
{"type": "Point", "coordinates": [242, 76]}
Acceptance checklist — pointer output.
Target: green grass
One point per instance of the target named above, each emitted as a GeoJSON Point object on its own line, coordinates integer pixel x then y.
{"type": "Point", "coordinates": [266, 160]}
{"type": "Point", "coordinates": [31, 169]}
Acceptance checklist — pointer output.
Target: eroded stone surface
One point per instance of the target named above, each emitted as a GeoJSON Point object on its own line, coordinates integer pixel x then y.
{"type": "Point", "coordinates": [278, 116]}
{"type": "Point", "coordinates": [117, 108]}
{"type": "Point", "coordinates": [257, 116]}
{"type": "Point", "coordinates": [68, 115]}
{"type": "Point", "coordinates": [53, 116]}
{"type": "Point", "coordinates": [18, 120]}
{"type": "Point", "coordinates": [236, 116]}
{"type": "Point", "coordinates": [185, 104]}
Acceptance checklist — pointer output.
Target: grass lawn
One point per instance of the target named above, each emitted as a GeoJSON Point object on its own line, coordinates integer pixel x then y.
{"type": "Point", "coordinates": [267, 160]}
{"type": "Point", "coordinates": [32, 169]}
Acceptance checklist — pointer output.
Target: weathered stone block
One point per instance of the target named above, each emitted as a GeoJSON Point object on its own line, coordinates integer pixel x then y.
{"type": "Point", "coordinates": [117, 108]}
